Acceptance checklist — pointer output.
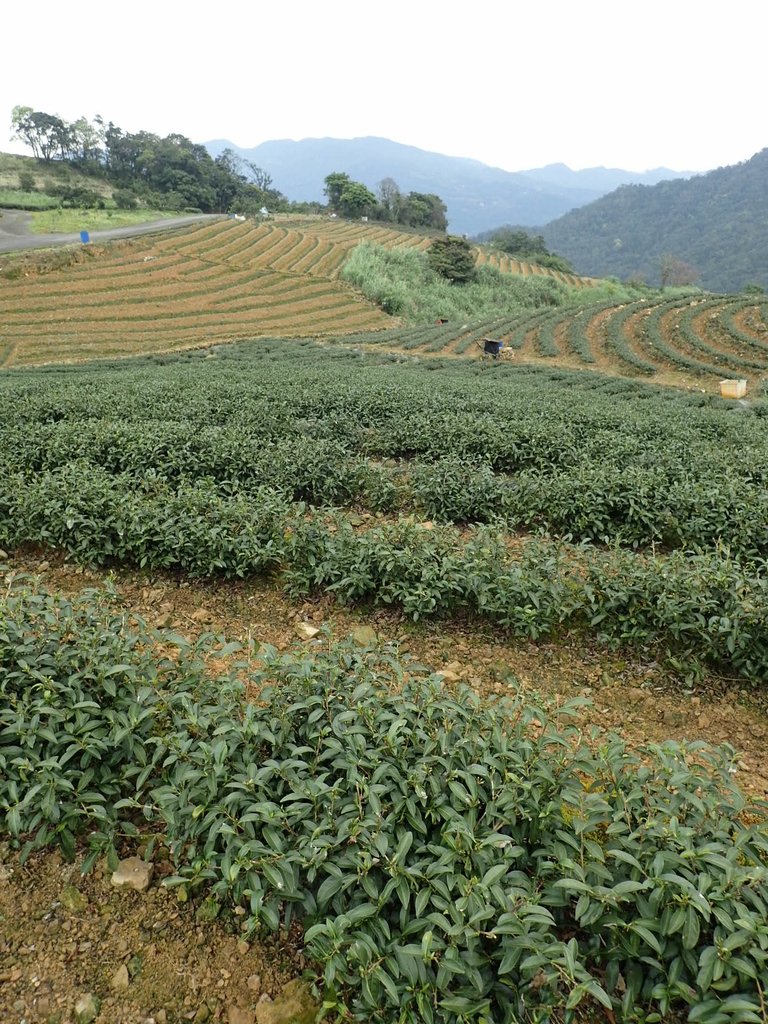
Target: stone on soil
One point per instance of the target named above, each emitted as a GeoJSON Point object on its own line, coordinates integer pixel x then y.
{"type": "Point", "coordinates": [73, 900]}
{"type": "Point", "coordinates": [294, 1005]}
{"type": "Point", "coordinates": [133, 873]}
{"type": "Point", "coordinates": [365, 636]}
{"type": "Point", "coordinates": [87, 1008]}
{"type": "Point", "coordinates": [254, 983]}
{"type": "Point", "coordinates": [239, 1015]}
{"type": "Point", "coordinates": [306, 631]}
{"type": "Point", "coordinates": [120, 979]}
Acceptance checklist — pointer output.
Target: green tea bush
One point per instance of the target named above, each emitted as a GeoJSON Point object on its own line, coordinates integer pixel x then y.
{"type": "Point", "coordinates": [697, 602]}
{"type": "Point", "coordinates": [697, 610]}
{"type": "Point", "coordinates": [452, 859]}
{"type": "Point", "coordinates": [239, 464]}
{"type": "Point", "coordinates": [451, 491]}
{"type": "Point", "coordinates": [79, 706]}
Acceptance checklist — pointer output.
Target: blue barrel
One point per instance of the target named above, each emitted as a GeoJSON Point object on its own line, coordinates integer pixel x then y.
{"type": "Point", "coordinates": [84, 237]}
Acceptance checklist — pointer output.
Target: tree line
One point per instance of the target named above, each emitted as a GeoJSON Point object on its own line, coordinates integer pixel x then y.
{"type": "Point", "coordinates": [176, 174]}
{"type": "Point", "coordinates": [166, 173]}
{"type": "Point", "coordinates": [415, 209]}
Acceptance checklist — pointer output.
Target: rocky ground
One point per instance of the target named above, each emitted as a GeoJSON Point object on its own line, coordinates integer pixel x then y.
{"type": "Point", "coordinates": [82, 949]}
{"type": "Point", "coordinates": [77, 949]}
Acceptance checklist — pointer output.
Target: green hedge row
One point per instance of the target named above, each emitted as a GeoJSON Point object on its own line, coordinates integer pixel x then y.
{"type": "Point", "coordinates": [617, 498]}
{"type": "Point", "coordinates": [703, 610]}
{"type": "Point", "coordinates": [452, 860]}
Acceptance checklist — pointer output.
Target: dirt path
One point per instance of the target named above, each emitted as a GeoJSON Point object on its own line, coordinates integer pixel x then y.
{"type": "Point", "coordinates": [140, 957]}
{"type": "Point", "coordinates": [15, 233]}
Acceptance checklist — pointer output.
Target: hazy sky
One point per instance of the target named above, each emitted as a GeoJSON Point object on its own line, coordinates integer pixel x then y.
{"type": "Point", "coordinates": [517, 85]}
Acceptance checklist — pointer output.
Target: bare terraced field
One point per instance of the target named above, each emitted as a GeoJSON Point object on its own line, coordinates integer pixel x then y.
{"type": "Point", "coordinates": [224, 281]}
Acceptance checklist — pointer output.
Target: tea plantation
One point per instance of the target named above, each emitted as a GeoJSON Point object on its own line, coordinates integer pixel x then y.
{"type": "Point", "coordinates": [453, 859]}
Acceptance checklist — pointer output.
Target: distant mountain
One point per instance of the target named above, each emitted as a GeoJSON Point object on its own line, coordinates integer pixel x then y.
{"type": "Point", "coordinates": [716, 222]}
{"type": "Point", "coordinates": [478, 197]}
{"type": "Point", "coordinates": [602, 179]}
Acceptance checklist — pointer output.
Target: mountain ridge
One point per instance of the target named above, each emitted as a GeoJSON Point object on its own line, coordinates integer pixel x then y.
{"type": "Point", "coordinates": [478, 196]}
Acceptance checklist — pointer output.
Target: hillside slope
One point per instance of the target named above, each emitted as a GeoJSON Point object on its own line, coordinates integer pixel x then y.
{"type": "Point", "coordinates": [228, 280]}
{"type": "Point", "coordinates": [717, 222]}
{"type": "Point", "coordinates": [221, 281]}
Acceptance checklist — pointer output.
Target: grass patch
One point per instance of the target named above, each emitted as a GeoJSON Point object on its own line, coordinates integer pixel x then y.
{"type": "Point", "coordinates": [401, 282]}
{"type": "Point", "coordinates": [67, 221]}
{"type": "Point", "coordinates": [16, 199]}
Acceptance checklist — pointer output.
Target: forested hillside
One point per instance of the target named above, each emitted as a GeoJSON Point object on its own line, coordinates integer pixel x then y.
{"type": "Point", "coordinates": [713, 229]}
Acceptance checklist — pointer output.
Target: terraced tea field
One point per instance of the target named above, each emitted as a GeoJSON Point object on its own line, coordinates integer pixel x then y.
{"type": "Point", "coordinates": [696, 340]}
{"type": "Point", "coordinates": [224, 281]}
{"type": "Point", "coordinates": [230, 280]}
{"type": "Point", "coordinates": [487, 617]}
{"type": "Point", "coordinates": [509, 265]}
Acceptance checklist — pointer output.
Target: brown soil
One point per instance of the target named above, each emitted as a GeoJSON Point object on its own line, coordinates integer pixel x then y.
{"type": "Point", "coordinates": [61, 320]}
{"type": "Point", "coordinates": [179, 968]}
{"type": "Point", "coordinates": [143, 955]}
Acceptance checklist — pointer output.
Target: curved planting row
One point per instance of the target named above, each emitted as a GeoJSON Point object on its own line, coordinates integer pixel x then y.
{"type": "Point", "coordinates": [703, 610]}
{"type": "Point", "coordinates": [629, 466]}
{"type": "Point", "coordinates": [230, 279]}
{"type": "Point", "coordinates": [447, 859]}
{"type": "Point", "coordinates": [224, 304]}
{"type": "Point", "coordinates": [742, 325]}
{"type": "Point", "coordinates": [655, 502]}
{"type": "Point", "coordinates": [694, 330]}
{"type": "Point", "coordinates": [691, 334]}
{"type": "Point", "coordinates": [508, 265]}
{"type": "Point", "coordinates": [703, 336]}
{"type": "Point", "coordinates": [222, 281]}
{"type": "Point", "coordinates": [450, 338]}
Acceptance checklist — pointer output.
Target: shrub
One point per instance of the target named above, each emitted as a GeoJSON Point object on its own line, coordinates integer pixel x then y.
{"type": "Point", "coordinates": [453, 258]}
{"type": "Point", "coordinates": [77, 196]}
{"type": "Point", "coordinates": [124, 199]}
{"type": "Point", "coordinates": [452, 492]}
{"type": "Point", "coordinates": [454, 860]}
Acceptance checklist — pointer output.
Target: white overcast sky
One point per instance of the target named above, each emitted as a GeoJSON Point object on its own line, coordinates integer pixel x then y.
{"type": "Point", "coordinates": [516, 84]}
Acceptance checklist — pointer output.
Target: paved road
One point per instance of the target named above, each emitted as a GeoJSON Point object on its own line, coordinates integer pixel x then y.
{"type": "Point", "coordinates": [15, 230]}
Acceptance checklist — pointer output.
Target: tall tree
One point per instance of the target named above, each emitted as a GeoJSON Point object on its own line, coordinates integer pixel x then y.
{"type": "Point", "coordinates": [46, 134]}
{"type": "Point", "coordinates": [424, 210]}
{"type": "Point", "coordinates": [452, 258]}
{"type": "Point", "coordinates": [335, 183]}
{"type": "Point", "coordinates": [390, 199]}
{"type": "Point", "coordinates": [259, 177]}
{"type": "Point", "coordinates": [356, 200]}
{"type": "Point", "coordinates": [674, 272]}
{"type": "Point", "coordinates": [518, 242]}
{"type": "Point", "coordinates": [87, 140]}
